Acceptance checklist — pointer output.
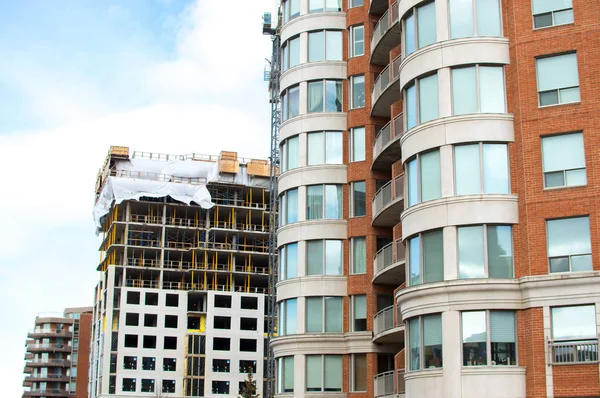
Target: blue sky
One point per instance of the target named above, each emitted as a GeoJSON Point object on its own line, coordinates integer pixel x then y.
{"type": "Point", "coordinates": [167, 76]}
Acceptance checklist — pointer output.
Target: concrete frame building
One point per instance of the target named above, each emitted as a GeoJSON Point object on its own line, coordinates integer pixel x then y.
{"type": "Point", "coordinates": [180, 306]}
{"type": "Point", "coordinates": [438, 199]}
{"type": "Point", "coordinates": [57, 354]}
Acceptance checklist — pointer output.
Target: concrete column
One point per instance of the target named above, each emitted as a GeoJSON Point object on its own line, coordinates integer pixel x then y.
{"type": "Point", "coordinates": [451, 346]}
{"type": "Point", "coordinates": [302, 258]}
{"type": "Point", "coordinates": [450, 254]}
{"type": "Point", "coordinates": [299, 376]}
{"type": "Point", "coordinates": [548, 335]}
{"type": "Point", "coordinates": [442, 25]}
{"type": "Point", "coordinates": [302, 203]}
{"type": "Point", "coordinates": [447, 171]}
{"type": "Point", "coordinates": [444, 92]}
{"type": "Point", "coordinates": [300, 315]}
{"type": "Point", "coordinates": [303, 98]}
{"type": "Point", "coordinates": [302, 144]}
{"type": "Point", "coordinates": [303, 47]}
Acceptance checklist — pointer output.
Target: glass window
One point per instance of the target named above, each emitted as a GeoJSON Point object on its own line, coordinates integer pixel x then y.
{"type": "Point", "coordinates": [289, 154]}
{"type": "Point", "coordinates": [359, 200]}
{"type": "Point", "coordinates": [409, 34]}
{"type": "Point", "coordinates": [425, 335]}
{"type": "Point", "coordinates": [324, 5]}
{"type": "Point", "coordinates": [428, 267]}
{"type": "Point", "coordinates": [356, 3]}
{"type": "Point", "coordinates": [359, 313]}
{"type": "Point", "coordinates": [326, 261]}
{"type": "Point", "coordinates": [357, 45]}
{"type": "Point", "coordinates": [470, 97]}
{"type": "Point", "coordinates": [573, 323]}
{"type": "Point", "coordinates": [128, 385]}
{"type": "Point", "coordinates": [285, 380]}
{"type": "Point", "coordinates": [325, 96]}
{"type": "Point", "coordinates": [291, 53]}
{"type": "Point", "coordinates": [569, 245]}
{"type": "Point", "coordinates": [289, 207]}
{"type": "Point", "coordinates": [359, 255]}
{"type": "Point", "coordinates": [430, 176]}
{"type": "Point", "coordinates": [314, 202]}
{"type": "Point", "coordinates": [287, 320]}
{"type": "Point", "coordinates": [485, 252]}
{"type": "Point", "coordinates": [414, 344]}
{"type": "Point", "coordinates": [359, 372]}
{"type": "Point", "coordinates": [557, 79]}
{"type": "Point", "coordinates": [563, 160]}
{"type": "Point", "coordinates": [325, 45]}
{"type": "Point", "coordinates": [291, 260]}
{"type": "Point", "coordinates": [357, 86]}
{"type": "Point", "coordinates": [426, 32]}
{"type": "Point", "coordinates": [498, 347]}
{"type": "Point", "coordinates": [491, 175]}
{"type": "Point", "coordinates": [324, 148]}
{"type": "Point", "coordinates": [290, 103]}
{"type": "Point", "coordinates": [333, 201]}
{"type": "Point", "coordinates": [552, 12]}
{"type": "Point", "coordinates": [324, 373]}
{"type": "Point", "coordinates": [324, 314]}
{"type": "Point", "coordinates": [428, 98]}
{"type": "Point", "coordinates": [486, 22]}
{"type": "Point", "coordinates": [357, 143]}
{"type": "Point", "coordinates": [327, 197]}
{"type": "Point", "coordinates": [291, 10]}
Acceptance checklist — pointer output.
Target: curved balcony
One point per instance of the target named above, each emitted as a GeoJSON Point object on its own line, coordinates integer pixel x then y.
{"type": "Point", "coordinates": [389, 383]}
{"type": "Point", "coordinates": [386, 89]}
{"type": "Point", "coordinates": [386, 148]}
{"type": "Point", "coordinates": [386, 36]}
{"type": "Point", "coordinates": [389, 264]}
{"type": "Point", "coordinates": [34, 333]}
{"type": "Point", "coordinates": [49, 378]}
{"type": "Point", "coordinates": [65, 363]}
{"type": "Point", "coordinates": [48, 347]}
{"type": "Point", "coordinates": [385, 328]}
{"type": "Point", "coordinates": [388, 203]}
{"type": "Point", "coordinates": [46, 393]}
{"type": "Point", "coordinates": [378, 6]}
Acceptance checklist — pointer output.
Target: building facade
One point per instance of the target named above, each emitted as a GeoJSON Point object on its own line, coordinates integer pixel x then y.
{"type": "Point", "coordinates": [437, 198]}
{"type": "Point", "coordinates": [180, 306]}
{"type": "Point", "coordinates": [57, 354]}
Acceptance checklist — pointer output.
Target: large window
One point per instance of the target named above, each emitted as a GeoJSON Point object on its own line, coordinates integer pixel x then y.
{"type": "Point", "coordinates": [324, 373]}
{"type": "Point", "coordinates": [290, 103]}
{"type": "Point", "coordinates": [358, 200]}
{"type": "Point", "coordinates": [569, 245]}
{"type": "Point", "coordinates": [324, 314]}
{"type": "Point", "coordinates": [128, 385]}
{"type": "Point", "coordinates": [421, 101]}
{"type": "Point", "coordinates": [552, 12]}
{"type": "Point", "coordinates": [426, 258]}
{"type": "Point", "coordinates": [358, 372]}
{"type": "Point", "coordinates": [563, 160]}
{"type": "Point", "coordinates": [478, 89]}
{"type": "Point", "coordinates": [325, 96]}
{"type": "Point", "coordinates": [288, 261]}
{"type": "Point", "coordinates": [291, 10]}
{"type": "Point", "coordinates": [475, 18]}
{"type": "Point", "coordinates": [481, 168]}
{"type": "Point", "coordinates": [357, 88]}
{"type": "Point", "coordinates": [289, 154]}
{"type": "Point", "coordinates": [358, 247]}
{"type": "Point", "coordinates": [324, 257]}
{"type": "Point", "coordinates": [323, 201]}
{"type": "Point", "coordinates": [355, 3]}
{"type": "Point", "coordinates": [359, 313]}
{"type": "Point", "coordinates": [285, 373]}
{"type": "Point", "coordinates": [357, 40]}
{"type": "Point", "coordinates": [325, 45]}
{"type": "Point", "coordinates": [357, 144]}
{"type": "Point", "coordinates": [324, 148]}
{"type": "Point", "coordinates": [287, 317]}
{"type": "Point", "coordinates": [324, 5]}
{"type": "Point", "coordinates": [291, 53]}
{"type": "Point", "coordinates": [424, 178]}
{"type": "Point", "coordinates": [289, 207]}
{"type": "Point", "coordinates": [485, 251]}
{"type": "Point", "coordinates": [574, 323]}
{"type": "Point", "coordinates": [419, 28]}
{"type": "Point", "coordinates": [557, 79]}
{"type": "Point", "coordinates": [489, 338]}
{"type": "Point", "coordinates": [425, 341]}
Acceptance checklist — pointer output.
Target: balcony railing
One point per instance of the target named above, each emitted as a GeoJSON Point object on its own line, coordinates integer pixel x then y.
{"type": "Point", "coordinates": [383, 384]}
{"type": "Point", "coordinates": [574, 351]}
{"type": "Point", "coordinates": [49, 333]}
{"type": "Point", "coordinates": [384, 257]}
{"type": "Point", "coordinates": [383, 320]}
{"type": "Point", "coordinates": [387, 194]}
{"type": "Point", "coordinates": [401, 386]}
{"type": "Point", "coordinates": [47, 346]}
{"type": "Point", "coordinates": [389, 18]}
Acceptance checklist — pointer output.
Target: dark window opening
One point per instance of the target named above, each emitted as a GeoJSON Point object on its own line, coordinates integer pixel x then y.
{"type": "Point", "coordinates": [112, 385]}
{"type": "Point", "coordinates": [170, 343]}
{"type": "Point", "coordinates": [132, 319]}
{"type": "Point", "coordinates": [248, 345]}
{"type": "Point", "coordinates": [172, 300]}
{"type": "Point", "coordinates": [147, 385]}
{"type": "Point", "coordinates": [169, 364]}
{"type": "Point", "coordinates": [151, 298]}
{"type": "Point", "coordinates": [151, 320]}
{"type": "Point", "coordinates": [220, 387]}
{"type": "Point", "coordinates": [133, 297]}
{"type": "Point", "coordinates": [193, 323]}
{"type": "Point", "coordinates": [222, 322]}
{"type": "Point", "coordinates": [246, 366]}
{"type": "Point", "coordinates": [171, 321]}
{"type": "Point", "coordinates": [222, 301]}
{"type": "Point", "coordinates": [149, 342]}
{"type": "Point", "coordinates": [148, 363]}
{"type": "Point", "coordinates": [248, 323]}
{"type": "Point", "coordinates": [130, 363]}
{"type": "Point", "coordinates": [168, 386]}
{"type": "Point", "coordinates": [131, 340]}
{"type": "Point", "coordinates": [113, 363]}
{"type": "Point", "coordinates": [221, 365]}
{"type": "Point", "coordinates": [221, 344]}
{"type": "Point", "coordinates": [249, 303]}
{"type": "Point", "coordinates": [128, 384]}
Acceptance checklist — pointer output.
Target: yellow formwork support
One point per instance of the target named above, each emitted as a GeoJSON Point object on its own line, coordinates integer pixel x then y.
{"type": "Point", "coordinates": [263, 197]}
{"type": "Point", "coordinates": [202, 323]}
{"type": "Point", "coordinates": [103, 322]}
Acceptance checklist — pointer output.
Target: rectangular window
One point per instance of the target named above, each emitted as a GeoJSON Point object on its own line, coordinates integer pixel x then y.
{"type": "Point", "coordinates": [150, 320]}
{"type": "Point", "coordinates": [147, 385]}
{"type": "Point", "coordinates": [168, 386]}
{"type": "Point", "coordinates": [485, 252]}
{"type": "Point", "coordinates": [129, 362]}
{"type": "Point", "coordinates": [324, 257]}
{"type": "Point", "coordinates": [425, 335]}
{"type": "Point", "coordinates": [574, 323]}
{"type": "Point", "coordinates": [359, 313]}
{"type": "Point", "coordinates": [492, 174]}
{"type": "Point", "coordinates": [359, 255]}
{"type": "Point", "coordinates": [428, 98]}
{"type": "Point", "coordinates": [131, 340]}
{"type": "Point", "coordinates": [357, 87]}
{"type": "Point", "coordinates": [569, 244]}
{"type": "Point", "coordinates": [359, 200]}
{"type": "Point", "coordinates": [420, 32]}
{"type": "Point", "coordinates": [151, 298]}
{"type": "Point", "coordinates": [324, 148]}
{"type": "Point", "coordinates": [148, 363]}
{"type": "Point", "coordinates": [474, 18]}
{"type": "Point", "coordinates": [478, 89]}
{"type": "Point", "coordinates": [285, 380]}
{"type": "Point", "coordinates": [291, 53]}
{"type": "Point", "coordinates": [324, 314]}
{"type": "Point", "coordinates": [170, 343]}
{"type": "Point", "coordinates": [359, 372]}
{"type": "Point", "coordinates": [552, 12]}
{"type": "Point", "coordinates": [291, 10]}
{"type": "Point", "coordinates": [324, 201]}
{"type": "Point", "coordinates": [132, 298]}
{"type": "Point", "coordinates": [324, 373]}
{"type": "Point", "coordinates": [356, 3]}
{"type": "Point", "coordinates": [357, 144]}
{"type": "Point", "coordinates": [128, 384]}
{"type": "Point", "coordinates": [357, 45]}
{"type": "Point", "coordinates": [290, 154]}
{"type": "Point", "coordinates": [132, 319]}
{"type": "Point", "coordinates": [324, 5]}
{"type": "Point", "coordinates": [428, 267]}
{"type": "Point", "coordinates": [169, 364]}
{"type": "Point", "coordinates": [489, 337]}
{"type": "Point", "coordinates": [289, 261]}
{"type": "Point", "coordinates": [290, 103]}
{"type": "Point", "coordinates": [563, 160]}
{"type": "Point", "coordinates": [325, 96]}
{"type": "Point", "coordinates": [172, 300]}
{"type": "Point", "coordinates": [289, 207]}
{"type": "Point", "coordinates": [557, 79]}
{"type": "Point", "coordinates": [430, 178]}
{"type": "Point", "coordinates": [287, 317]}
{"type": "Point", "coordinates": [325, 45]}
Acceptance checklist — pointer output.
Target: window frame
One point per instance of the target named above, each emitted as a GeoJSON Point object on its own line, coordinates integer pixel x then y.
{"type": "Point", "coordinates": [548, 258]}
{"type": "Point", "coordinates": [283, 261]}
{"type": "Point", "coordinates": [324, 314]}
{"type": "Point", "coordinates": [421, 322]}
{"type": "Point", "coordinates": [284, 208]}
{"type": "Point", "coordinates": [324, 256]}
{"type": "Point", "coordinates": [478, 86]}
{"type": "Point", "coordinates": [353, 199]}
{"type": "Point", "coordinates": [564, 172]}
{"type": "Point", "coordinates": [414, 12]}
{"type": "Point", "coordinates": [324, 92]}
{"type": "Point", "coordinates": [486, 260]}
{"type": "Point", "coordinates": [287, 16]}
{"type": "Point", "coordinates": [488, 339]}
{"type": "Point", "coordinates": [340, 209]}
{"type": "Point", "coordinates": [281, 373]}
{"type": "Point", "coordinates": [323, 373]}
{"type": "Point", "coordinates": [552, 316]}
{"type": "Point", "coordinates": [421, 258]}
{"type": "Point", "coordinates": [325, 9]}
{"type": "Point", "coordinates": [285, 154]}
{"type": "Point", "coordinates": [352, 255]}
{"type": "Point", "coordinates": [417, 157]}
{"type": "Point", "coordinates": [286, 54]}
{"type": "Point", "coordinates": [353, 319]}
{"type": "Point", "coordinates": [352, 53]}
{"type": "Point", "coordinates": [338, 134]}
{"type": "Point", "coordinates": [558, 90]}
{"type": "Point", "coordinates": [285, 102]}
{"type": "Point", "coordinates": [283, 314]}
{"type": "Point", "coordinates": [553, 24]}
{"type": "Point", "coordinates": [482, 177]}
{"type": "Point", "coordinates": [475, 22]}
{"type": "Point", "coordinates": [416, 83]}
{"type": "Point", "coordinates": [351, 92]}
{"type": "Point", "coordinates": [352, 143]}
{"type": "Point", "coordinates": [352, 372]}
{"type": "Point", "coordinates": [325, 55]}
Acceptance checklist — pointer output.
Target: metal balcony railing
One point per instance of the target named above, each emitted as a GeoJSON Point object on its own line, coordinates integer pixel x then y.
{"type": "Point", "coordinates": [383, 384]}
{"type": "Point", "coordinates": [387, 194]}
{"type": "Point", "coordinates": [573, 351]}
{"type": "Point", "coordinates": [383, 320]}
{"type": "Point", "coordinates": [401, 386]}
{"type": "Point", "coordinates": [48, 346]}
{"type": "Point", "coordinates": [384, 257]}
{"type": "Point", "coordinates": [387, 134]}
{"type": "Point", "coordinates": [389, 18]}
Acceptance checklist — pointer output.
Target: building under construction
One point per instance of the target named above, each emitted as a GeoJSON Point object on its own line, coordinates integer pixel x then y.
{"type": "Point", "coordinates": [184, 268]}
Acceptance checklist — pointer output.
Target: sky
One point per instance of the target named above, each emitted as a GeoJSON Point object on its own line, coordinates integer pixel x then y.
{"type": "Point", "coordinates": [169, 76]}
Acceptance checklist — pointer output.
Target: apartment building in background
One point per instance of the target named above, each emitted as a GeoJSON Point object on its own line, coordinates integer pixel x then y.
{"type": "Point", "coordinates": [180, 306]}
{"type": "Point", "coordinates": [57, 354]}
{"type": "Point", "coordinates": [438, 198]}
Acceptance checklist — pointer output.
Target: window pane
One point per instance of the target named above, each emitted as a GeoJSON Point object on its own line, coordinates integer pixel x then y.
{"type": "Point", "coordinates": [360, 313]}
{"type": "Point", "coordinates": [315, 149]}
{"type": "Point", "coordinates": [333, 373]}
{"type": "Point", "coordinates": [467, 169]}
{"type": "Point", "coordinates": [285, 56]}
{"type": "Point", "coordinates": [359, 256]}
{"type": "Point", "coordinates": [294, 52]}
{"type": "Point", "coordinates": [569, 236]}
{"type": "Point", "coordinates": [495, 168]}
{"type": "Point", "coordinates": [488, 18]}
{"type": "Point", "coordinates": [414, 261]}
{"type": "Point", "coordinates": [411, 107]}
{"type": "Point", "coordinates": [314, 372]}
{"type": "Point", "coordinates": [293, 153]}
{"type": "Point", "coordinates": [358, 91]}
{"type": "Point", "coordinates": [415, 352]}
{"type": "Point", "coordinates": [285, 106]}
{"type": "Point", "coordinates": [503, 341]}
{"type": "Point", "coordinates": [283, 151]}
{"type": "Point", "coordinates": [294, 8]}
{"type": "Point", "coordinates": [433, 256]}
{"type": "Point", "coordinates": [413, 197]}
{"type": "Point", "coordinates": [557, 72]}
{"type": "Point", "coordinates": [281, 259]}
{"type": "Point", "coordinates": [358, 144]}
{"type": "Point", "coordinates": [549, 98]}
{"type": "Point", "coordinates": [333, 50]}
{"type": "Point", "coordinates": [464, 90]}
{"type": "Point", "coordinates": [291, 261]}
{"type": "Point", "coordinates": [358, 40]}
{"type": "Point", "coordinates": [409, 34]}
{"type": "Point", "coordinates": [540, 6]}
{"type": "Point", "coordinates": [569, 95]}
{"type": "Point", "coordinates": [316, 46]}
{"type": "Point", "coordinates": [333, 257]}
{"type": "Point", "coordinates": [333, 96]}
{"type": "Point", "coordinates": [563, 152]}
{"type": "Point", "coordinates": [316, 5]}
{"type": "Point", "coordinates": [499, 249]}
{"type": "Point", "coordinates": [461, 18]}
{"type": "Point", "coordinates": [426, 25]}
{"type": "Point", "coordinates": [574, 322]}
{"type": "Point", "coordinates": [542, 20]}
{"type": "Point", "coordinates": [432, 341]}
{"type": "Point", "coordinates": [430, 176]}
{"type": "Point", "coordinates": [292, 205]}
{"type": "Point", "coordinates": [334, 5]}
{"type": "Point", "coordinates": [333, 314]}
{"type": "Point", "coordinates": [314, 314]}
{"type": "Point", "coordinates": [563, 17]}
{"type": "Point", "coordinates": [333, 201]}
{"type": "Point", "coordinates": [288, 371]}
{"type": "Point", "coordinates": [428, 98]}
{"type": "Point", "coordinates": [359, 204]}
{"type": "Point", "coordinates": [314, 202]}
{"type": "Point", "coordinates": [315, 97]}
{"type": "Point", "coordinates": [576, 177]}
{"type": "Point", "coordinates": [357, 3]}
{"type": "Point", "coordinates": [491, 86]}
{"type": "Point", "coordinates": [360, 372]}
{"type": "Point", "coordinates": [333, 145]}
{"type": "Point", "coordinates": [290, 316]}
{"type": "Point", "coordinates": [294, 102]}
{"type": "Point", "coordinates": [314, 257]}
{"type": "Point", "coordinates": [470, 252]}
{"type": "Point", "coordinates": [474, 334]}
